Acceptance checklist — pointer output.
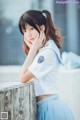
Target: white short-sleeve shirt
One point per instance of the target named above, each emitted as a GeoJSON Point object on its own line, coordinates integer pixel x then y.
{"type": "Point", "coordinates": [45, 69]}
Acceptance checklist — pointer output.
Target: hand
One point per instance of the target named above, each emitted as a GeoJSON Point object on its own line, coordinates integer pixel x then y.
{"type": "Point", "coordinates": [27, 43]}
{"type": "Point", "coordinates": [39, 41]}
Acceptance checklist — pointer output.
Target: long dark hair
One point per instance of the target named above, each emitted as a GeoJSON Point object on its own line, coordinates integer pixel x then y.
{"type": "Point", "coordinates": [37, 18]}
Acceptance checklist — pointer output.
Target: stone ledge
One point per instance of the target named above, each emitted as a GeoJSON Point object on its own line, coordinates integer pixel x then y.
{"type": "Point", "coordinates": [19, 101]}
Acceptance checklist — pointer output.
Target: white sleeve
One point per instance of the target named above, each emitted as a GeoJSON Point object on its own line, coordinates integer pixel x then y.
{"type": "Point", "coordinates": [43, 63]}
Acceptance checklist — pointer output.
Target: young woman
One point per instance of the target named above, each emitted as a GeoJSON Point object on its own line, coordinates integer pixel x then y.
{"type": "Point", "coordinates": [41, 44]}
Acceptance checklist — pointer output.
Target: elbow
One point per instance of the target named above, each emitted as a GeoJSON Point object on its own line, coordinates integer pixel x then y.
{"type": "Point", "coordinates": [21, 79]}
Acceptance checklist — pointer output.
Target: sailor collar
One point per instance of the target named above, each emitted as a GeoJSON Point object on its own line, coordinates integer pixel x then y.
{"type": "Point", "coordinates": [51, 44]}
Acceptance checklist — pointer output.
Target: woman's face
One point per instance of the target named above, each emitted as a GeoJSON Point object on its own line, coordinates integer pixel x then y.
{"type": "Point", "coordinates": [30, 34]}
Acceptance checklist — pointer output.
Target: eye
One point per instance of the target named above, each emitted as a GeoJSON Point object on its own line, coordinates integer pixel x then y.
{"type": "Point", "coordinates": [23, 30]}
{"type": "Point", "coordinates": [31, 28]}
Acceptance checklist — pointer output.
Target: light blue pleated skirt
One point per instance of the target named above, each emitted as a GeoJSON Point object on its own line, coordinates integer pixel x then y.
{"type": "Point", "coordinates": [53, 108]}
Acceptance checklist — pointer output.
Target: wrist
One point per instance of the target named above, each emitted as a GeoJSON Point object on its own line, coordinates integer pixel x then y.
{"type": "Point", "coordinates": [34, 48]}
{"type": "Point", "coordinates": [33, 51]}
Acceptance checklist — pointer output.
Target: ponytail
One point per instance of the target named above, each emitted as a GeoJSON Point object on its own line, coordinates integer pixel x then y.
{"type": "Point", "coordinates": [52, 31]}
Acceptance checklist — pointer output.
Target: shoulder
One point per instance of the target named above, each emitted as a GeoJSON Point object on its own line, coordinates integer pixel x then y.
{"type": "Point", "coordinates": [50, 50]}
{"type": "Point", "coordinates": [46, 54]}
{"type": "Point", "coordinates": [46, 50]}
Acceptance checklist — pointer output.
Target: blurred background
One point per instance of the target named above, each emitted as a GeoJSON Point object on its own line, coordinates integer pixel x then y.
{"type": "Point", "coordinates": [65, 16]}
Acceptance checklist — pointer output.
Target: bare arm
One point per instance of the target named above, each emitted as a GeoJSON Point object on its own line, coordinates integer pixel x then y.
{"type": "Point", "coordinates": [26, 75]}
{"type": "Point", "coordinates": [27, 63]}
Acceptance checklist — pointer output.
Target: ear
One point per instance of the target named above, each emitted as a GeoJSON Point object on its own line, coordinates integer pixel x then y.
{"type": "Point", "coordinates": [42, 27]}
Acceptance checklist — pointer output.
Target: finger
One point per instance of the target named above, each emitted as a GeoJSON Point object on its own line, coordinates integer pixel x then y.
{"type": "Point", "coordinates": [28, 43]}
{"type": "Point", "coordinates": [37, 36]}
{"type": "Point", "coordinates": [43, 41]}
{"type": "Point", "coordinates": [43, 38]}
{"type": "Point", "coordinates": [41, 35]}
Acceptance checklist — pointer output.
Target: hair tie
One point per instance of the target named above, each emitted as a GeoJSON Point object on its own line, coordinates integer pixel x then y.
{"type": "Point", "coordinates": [44, 15]}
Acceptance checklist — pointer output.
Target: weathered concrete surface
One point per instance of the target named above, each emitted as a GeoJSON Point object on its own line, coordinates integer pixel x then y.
{"type": "Point", "coordinates": [18, 100]}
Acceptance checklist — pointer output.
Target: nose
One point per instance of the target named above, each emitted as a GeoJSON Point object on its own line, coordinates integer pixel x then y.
{"type": "Point", "coordinates": [29, 34]}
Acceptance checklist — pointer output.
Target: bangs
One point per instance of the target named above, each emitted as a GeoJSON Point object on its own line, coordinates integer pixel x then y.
{"type": "Point", "coordinates": [26, 19]}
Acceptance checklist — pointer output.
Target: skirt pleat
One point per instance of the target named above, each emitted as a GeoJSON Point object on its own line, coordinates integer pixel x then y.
{"type": "Point", "coordinates": [53, 108]}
